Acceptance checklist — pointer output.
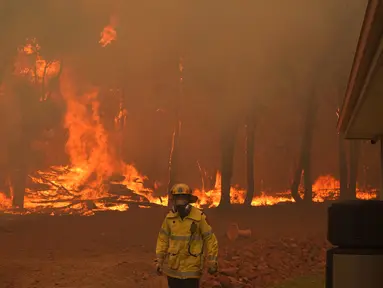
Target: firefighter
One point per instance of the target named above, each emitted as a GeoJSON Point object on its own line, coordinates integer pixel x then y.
{"type": "Point", "coordinates": [182, 240]}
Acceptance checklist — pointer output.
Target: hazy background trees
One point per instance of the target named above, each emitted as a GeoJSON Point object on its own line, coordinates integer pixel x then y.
{"type": "Point", "coordinates": [277, 68]}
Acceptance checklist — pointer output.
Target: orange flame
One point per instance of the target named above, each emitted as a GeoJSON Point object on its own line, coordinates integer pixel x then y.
{"type": "Point", "coordinates": [324, 188]}
{"type": "Point", "coordinates": [62, 179]}
{"type": "Point", "coordinates": [31, 64]}
{"type": "Point", "coordinates": [5, 203]}
{"type": "Point", "coordinates": [109, 33]}
{"type": "Point", "coordinates": [95, 172]}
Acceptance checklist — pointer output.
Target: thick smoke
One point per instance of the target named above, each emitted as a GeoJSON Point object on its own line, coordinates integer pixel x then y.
{"type": "Point", "coordinates": [239, 56]}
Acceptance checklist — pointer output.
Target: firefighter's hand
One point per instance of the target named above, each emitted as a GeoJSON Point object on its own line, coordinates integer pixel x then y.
{"type": "Point", "coordinates": [159, 269]}
{"type": "Point", "coordinates": [213, 269]}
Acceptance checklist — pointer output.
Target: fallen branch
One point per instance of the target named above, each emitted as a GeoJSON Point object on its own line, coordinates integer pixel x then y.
{"type": "Point", "coordinates": [53, 184]}
{"type": "Point", "coordinates": [114, 200]}
{"type": "Point", "coordinates": [74, 201]}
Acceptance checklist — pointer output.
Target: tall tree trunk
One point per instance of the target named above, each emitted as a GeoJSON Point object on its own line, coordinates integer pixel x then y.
{"type": "Point", "coordinates": [310, 125]}
{"type": "Point", "coordinates": [228, 139]}
{"type": "Point", "coordinates": [307, 175]}
{"type": "Point", "coordinates": [304, 165]}
{"type": "Point", "coordinates": [250, 139]}
{"type": "Point", "coordinates": [174, 155]}
{"type": "Point", "coordinates": [174, 151]}
{"type": "Point", "coordinates": [18, 169]}
{"type": "Point", "coordinates": [23, 132]}
{"type": "Point", "coordinates": [296, 182]}
{"type": "Point", "coordinates": [354, 163]}
{"type": "Point", "coordinates": [18, 182]}
{"type": "Point", "coordinates": [343, 169]}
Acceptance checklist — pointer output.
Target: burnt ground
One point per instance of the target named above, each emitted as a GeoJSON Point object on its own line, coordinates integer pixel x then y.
{"type": "Point", "coordinates": [116, 249]}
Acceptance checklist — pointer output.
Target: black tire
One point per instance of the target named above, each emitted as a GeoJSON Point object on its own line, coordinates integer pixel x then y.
{"type": "Point", "coordinates": [356, 224]}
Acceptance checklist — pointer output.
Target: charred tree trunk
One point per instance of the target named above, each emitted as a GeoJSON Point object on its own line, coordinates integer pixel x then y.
{"type": "Point", "coordinates": [27, 126]}
{"type": "Point", "coordinates": [343, 169]}
{"type": "Point", "coordinates": [18, 182]}
{"type": "Point", "coordinates": [304, 164]}
{"type": "Point", "coordinates": [354, 163]}
{"type": "Point", "coordinates": [227, 160]}
{"type": "Point", "coordinates": [296, 182]}
{"type": "Point", "coordinates": [18, 169]}
{"type": "Point", "coordinates": [250, 139]}
{"type": "Point", "coordinates": [310, 123]}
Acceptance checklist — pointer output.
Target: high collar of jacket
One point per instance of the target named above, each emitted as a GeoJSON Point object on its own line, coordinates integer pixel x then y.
{"type": "Point", "coordinates": [195, 214]}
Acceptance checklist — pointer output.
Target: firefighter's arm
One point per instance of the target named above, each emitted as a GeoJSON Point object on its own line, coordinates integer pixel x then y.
{"type": "Point", "coordinates": [210, 242]}
{"type": "Point", "coordinates": [162, 242]}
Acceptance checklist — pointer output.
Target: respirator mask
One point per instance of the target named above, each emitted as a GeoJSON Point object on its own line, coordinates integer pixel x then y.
{"type": "Point", "coordinates": [181, 205]}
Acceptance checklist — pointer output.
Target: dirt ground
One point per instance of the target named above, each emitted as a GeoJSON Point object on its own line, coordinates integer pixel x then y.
{"type": "Point", "coordinates": [116, 249]}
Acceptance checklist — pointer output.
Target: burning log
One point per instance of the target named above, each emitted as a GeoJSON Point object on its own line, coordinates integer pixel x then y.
{"type": "Point", "coordinates": [116, 178]}
{"type": "Point", "coordinates": [120, 189]}
{"type": "Point", "coordinates": [137, 200]}
{"type": "Point", "coordinates": [233, 232]}
{"type": "Point", "coordinates": [54, 193]}
{"type": "Point", "coordinates": [39, 186]}
{"type": "Point", "coordinates": [61, 188]}
{"type": "Point", "coordinates": [87, 204]}
{"type": "Point", "coordinates": [71, 201]}
{"type": "Point", "coordinates": [113, 200]}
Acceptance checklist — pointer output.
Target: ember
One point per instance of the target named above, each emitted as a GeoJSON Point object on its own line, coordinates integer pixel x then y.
{"type": "Point", "coordinates": [109, 33]}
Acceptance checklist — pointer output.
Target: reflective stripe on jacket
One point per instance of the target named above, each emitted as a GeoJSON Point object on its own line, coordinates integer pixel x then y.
{"type": "Point", "coordinates": [182, 251]}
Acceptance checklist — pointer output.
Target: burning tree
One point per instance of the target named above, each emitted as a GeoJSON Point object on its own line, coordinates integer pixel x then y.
{"type": "Point", "coordinates": [94, 170]}
{"type": "Point", "coordinates": [26, 95]}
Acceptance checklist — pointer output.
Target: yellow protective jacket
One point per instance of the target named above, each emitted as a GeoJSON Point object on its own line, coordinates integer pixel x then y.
{"type": "Point", "coordinates": [181, 244]}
